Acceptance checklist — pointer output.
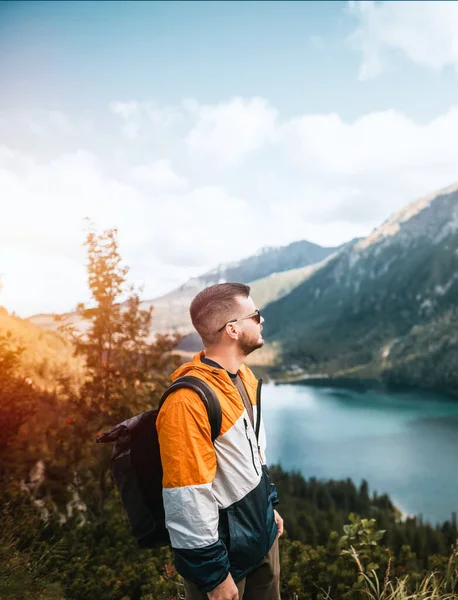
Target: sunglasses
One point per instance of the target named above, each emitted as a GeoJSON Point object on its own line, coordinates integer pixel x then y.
{"type": "Point", "coordinates": [256, 315]}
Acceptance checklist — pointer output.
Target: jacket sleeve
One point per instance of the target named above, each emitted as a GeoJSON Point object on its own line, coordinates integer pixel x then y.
{"type": "Point", "coordinates": [191, 511]}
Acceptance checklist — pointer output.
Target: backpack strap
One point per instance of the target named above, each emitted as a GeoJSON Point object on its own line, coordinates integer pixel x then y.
{"type": "Point", "coordinates": [258, 409]}
{"type": "Point", "coordinates": [206, 394]}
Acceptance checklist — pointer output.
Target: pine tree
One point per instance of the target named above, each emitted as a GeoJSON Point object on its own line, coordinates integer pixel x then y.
{"type": "Point", "coordinates": [126, 373]}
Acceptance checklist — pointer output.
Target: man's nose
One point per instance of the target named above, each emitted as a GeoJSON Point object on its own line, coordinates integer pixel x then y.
{"type": "Point", "coordinates": [262, 320]}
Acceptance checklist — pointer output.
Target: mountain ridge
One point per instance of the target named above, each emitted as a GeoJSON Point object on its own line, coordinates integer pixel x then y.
{"type": "Point", "coordinates": [363, 312]}
{"type": "Point", "coordinates": [171, 311]}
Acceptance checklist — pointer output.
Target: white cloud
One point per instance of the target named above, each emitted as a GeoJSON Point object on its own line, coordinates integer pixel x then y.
{"type": "Point", "coordinates": [49, 122]}
{"type": "Point", "coordinates": [160, 175]}
{"type": "Point", "coordinates": [33, 282]}
{"type": "Point", "coordinates": [313, 177]}
{"type": "Point", "coordinates": [385, 157]}
{"type": "Point", "coordinates": [43, 123]}
{"type": "Point", "coordinates": [205, 225]}
{"type": "Point", "coordinates": [42, 228]}
{"type": "Point", "coordinates": [126, 110]}
{"type": "Point", "coordinates": [226, 132]}
{"type": "Point", "coordinates": [140, 118]}
{"type": "Point", "coordinates": [171, 236]}
{"type": "Point", "coordinates": [377, 143]}
{"type": "Point", "coordinates": [49, 200]}
{"type": "Point", "coordinates": [424, 32]}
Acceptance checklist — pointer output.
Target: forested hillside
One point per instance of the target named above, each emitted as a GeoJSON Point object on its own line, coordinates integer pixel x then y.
{"type": "Point", "coordinates": [385, 307]}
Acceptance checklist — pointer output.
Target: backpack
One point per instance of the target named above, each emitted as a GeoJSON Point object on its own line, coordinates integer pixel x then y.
{"type": "Point", "coordinates": [136, 467]}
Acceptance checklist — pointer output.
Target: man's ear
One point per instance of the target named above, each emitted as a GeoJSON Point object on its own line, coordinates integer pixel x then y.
{"type": "Point", "coordinates": [233, 331]}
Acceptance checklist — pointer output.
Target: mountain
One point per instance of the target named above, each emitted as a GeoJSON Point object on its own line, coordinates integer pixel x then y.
{"type": "Point", "coordinates": [267, 261]}
{"type": "Point", "coordinates": [171, 311]}
{"type": "Point", "coordinates": [383, 307]}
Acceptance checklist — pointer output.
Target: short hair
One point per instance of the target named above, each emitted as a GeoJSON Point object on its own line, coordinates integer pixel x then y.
{"type": "Point", "coordinates": [213, 307]}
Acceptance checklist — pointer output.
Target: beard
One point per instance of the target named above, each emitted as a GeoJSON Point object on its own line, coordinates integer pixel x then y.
{"type": "Point", "coordinates": [247, 346]}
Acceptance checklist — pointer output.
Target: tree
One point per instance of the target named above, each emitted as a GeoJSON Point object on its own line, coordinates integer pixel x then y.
{"type": "Point", "coordinates": [126, 373]}
{"type": "Point", "coordinates": [16, 393]}
{"type": "Point", "coordinates": [18, 397]}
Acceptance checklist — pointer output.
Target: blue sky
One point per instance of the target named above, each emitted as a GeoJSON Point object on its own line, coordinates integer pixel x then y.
{"type": "Point", "coordinates": [81, 55]}
{"type": "Point", "coordinates": [171, 120]}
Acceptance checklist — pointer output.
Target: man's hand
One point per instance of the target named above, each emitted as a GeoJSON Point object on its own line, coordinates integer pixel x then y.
{"type": "Point", "coordinates": [279, 522]}
{"type": "Point", "coordinates": [225, 591]}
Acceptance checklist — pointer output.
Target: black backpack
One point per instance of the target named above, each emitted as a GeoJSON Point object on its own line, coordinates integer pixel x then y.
{"type": "Point", "coordinates": [136, 463]}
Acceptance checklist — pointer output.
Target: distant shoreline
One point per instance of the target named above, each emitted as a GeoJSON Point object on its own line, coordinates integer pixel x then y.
{"type": "Point", "coordinates": [361, 385]}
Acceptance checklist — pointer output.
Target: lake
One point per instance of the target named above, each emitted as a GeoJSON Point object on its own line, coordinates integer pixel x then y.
{"type": "Point", "coordinates": [402, 443]}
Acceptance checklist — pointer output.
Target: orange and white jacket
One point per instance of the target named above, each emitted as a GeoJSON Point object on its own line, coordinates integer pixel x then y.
{"type": "Point", "coordinates": [218, 498]}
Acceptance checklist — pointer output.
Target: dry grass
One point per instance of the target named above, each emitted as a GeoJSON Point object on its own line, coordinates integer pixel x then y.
{"type": "Point", "coordinates": [432, 587]}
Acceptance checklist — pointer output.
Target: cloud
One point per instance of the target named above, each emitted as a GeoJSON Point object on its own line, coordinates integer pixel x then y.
{"type": "Point", "coordinates": [159, 175]}
{"type": "Point", "coordinates": [176, 231]}
{"type": "Point", "coordinates": [140, 118]}
{"type": "Point", "coordinates": [42, 208]}
{"type": "Point", "coordinates": [49, 122]}
{"type": "Point", "coordinates": [43, 123]}
{"type": "Point", "coordinates": [205, 225]}
{"type": "Point", "coordinates": [425, 33]}
{"type": "Point", "coordinates": [235, 178]}
{"type": "Point", "coordinates": [33, 283]}
{"type": "Point", "coordinates": [227, 132]}
{"type": "Point", "coordinates": [385, 158]}
{"type": "Point", "coordinates": [377, 143]}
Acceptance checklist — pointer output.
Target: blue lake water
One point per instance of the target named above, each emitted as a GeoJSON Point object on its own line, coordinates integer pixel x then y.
{"type": "Point", "coordinates": [404, 444]}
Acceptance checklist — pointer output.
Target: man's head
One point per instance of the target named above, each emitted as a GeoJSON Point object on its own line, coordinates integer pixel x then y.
{"type": "Point", "coordinates": [225, 314]}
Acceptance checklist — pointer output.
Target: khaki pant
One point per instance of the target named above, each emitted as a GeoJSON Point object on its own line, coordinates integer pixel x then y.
{"type": "Point", "coordinates": [262, 584]}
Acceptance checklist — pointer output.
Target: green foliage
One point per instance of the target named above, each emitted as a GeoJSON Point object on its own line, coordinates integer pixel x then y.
{"type": "Point", "coordinates": [313, 509]}
{"type": "Point", "coordinates": [338, 571]}
{"type": "Point", "coordinates": [45, 559]}
{"type": "Point", "coordinates": [361, 532]}
{"type": "Point", "coordinates": [102, 560]}
{"type": "Point", "coordinates": [17, 395]}
{"type": "Point", "coordinates": [26, 544]}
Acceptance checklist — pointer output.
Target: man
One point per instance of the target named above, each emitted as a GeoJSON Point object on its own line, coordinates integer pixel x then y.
{"type": "Point", "coordinates": [218, 498]}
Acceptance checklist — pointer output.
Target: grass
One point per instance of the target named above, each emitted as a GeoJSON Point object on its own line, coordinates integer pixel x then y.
{"type": "Point", "coordinates": [432, 587]}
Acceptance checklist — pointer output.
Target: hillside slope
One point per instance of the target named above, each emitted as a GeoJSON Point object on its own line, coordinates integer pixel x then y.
{"type": "Point", "coordinates": [46, 355]}
{"type": "Point", "coordinates": [385, 307]}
